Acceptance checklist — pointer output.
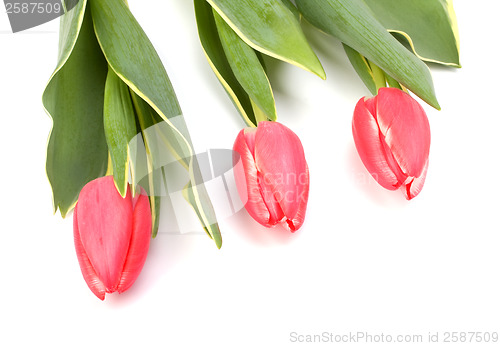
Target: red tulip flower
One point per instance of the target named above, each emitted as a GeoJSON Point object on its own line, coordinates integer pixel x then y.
{"type": "Point", "coordinates": [112, 236]}
{"type": "Point", "coordinates": [392, 136]}
{"type": "Point", "coordinates": [273, 179]}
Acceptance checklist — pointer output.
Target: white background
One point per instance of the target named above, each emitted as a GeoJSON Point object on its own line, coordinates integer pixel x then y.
{"type": "Point", "coordinates": [365, 260]}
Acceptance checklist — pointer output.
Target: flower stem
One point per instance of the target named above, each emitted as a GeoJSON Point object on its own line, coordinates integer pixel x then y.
{"type": "Point", "coordinates": [259, 114]}
{"type": "Point", "coordinates": [378, 75]}
{"type": "Point", "coordinates": [392, 82]}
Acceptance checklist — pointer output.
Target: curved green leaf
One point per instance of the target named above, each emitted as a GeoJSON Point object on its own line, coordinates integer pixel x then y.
{"type": "Point", "coordinates": [69, 28]}
{"type": "Point", "coordinates": [134, 59]}
{"type": "Point", "coordinates": [429, 26]}
{"type": "Point", "coordinates": [373, 77]}
{"type": "Point", "coordinates": [76, 151]}
{"type": "Point", "coordinates": [354, 24]}
{"type": "Point", "coordinates": [132, 56]}
{"type": "Point", "coordinates": [247, 68]}
{"type": "Point", "coordinates": [210, 41]}
{"type": "Point", "coordinates": [362, 67]}
{"type": "Point", "coordinates": [156, 137]}
{"type": "Point", "coordinates": [392, 83]}
{"type": "Point", "coordinates": [270, 27]}
{"type": "Point", "coordinates": [189, 194]}
{"type": "Point", "coordinates": [147, 117]}
{"type": "Point", "coordinates": [119, 128]}
{"type": "Point", "coordinates": [288, 4]}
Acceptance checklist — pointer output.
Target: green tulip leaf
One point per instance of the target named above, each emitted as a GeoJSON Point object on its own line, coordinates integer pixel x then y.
{"type": "Point", "coordinates": [429, 27]}
{"type": "Point", "coordinates": [392, 83]}
{"type": "Point", "coordinates": [157, 137]}
{"type": "Point", "coordinates": [269, 26]}
{"type": "Point", "coordinates": [190, 195]}
{"type": "Point", "coordinates": [77, 152]}
{"type": "Point", "coordinates": [133, 58]}
{"type": "Point", "coordinates": [147, 118]}
{"type": "Point", "coordinates": [119, 128]}
{"type": "Point", "coordinates": [260, 56]}
{"type": "Point", "coordinates": [288, 4]}
{"type": "Point", "coordinates": [153, 136]}
{"type": "Point", "coordinates": [373, 77]}
{"type": "Point", "coordinates": [247, 68]}
{"type": "Point", "coordinates": [362, 67]}
{"type": "Point", "coordinates": [353, 22]}
{"type": "Point", "coordinates": [212, 46]}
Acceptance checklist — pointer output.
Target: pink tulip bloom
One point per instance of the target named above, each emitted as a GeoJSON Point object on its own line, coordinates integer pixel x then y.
{"type": "Point", "coordinates": [111, 236]}
{"type": "Point", "coordinates": [273, 179]}
{"type": "Point", "coordinates": [392, 136]}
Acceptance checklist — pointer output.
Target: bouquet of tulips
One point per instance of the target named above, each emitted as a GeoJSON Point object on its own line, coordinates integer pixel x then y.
{"type": "Point", "coordinates": [117, 122]}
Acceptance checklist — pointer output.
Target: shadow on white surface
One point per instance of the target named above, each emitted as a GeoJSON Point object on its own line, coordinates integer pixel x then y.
{"type": "Point", "coordinates": [251, 230]}
{"type": "Point", "coordinates": [166, 251]}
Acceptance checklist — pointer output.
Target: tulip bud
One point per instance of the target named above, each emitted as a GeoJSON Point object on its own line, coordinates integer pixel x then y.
{"type": "Point", "coordinates": [273, 179]}
{"type": "Point", "coordinates": [392, 136]}
{"type": "Point", "coordinates": [111, 236]}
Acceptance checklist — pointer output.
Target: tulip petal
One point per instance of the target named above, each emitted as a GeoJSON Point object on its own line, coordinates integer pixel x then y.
{"type": "Point", "coordinates": [89, 274]}
{"type": "Point", "coordinates": [295, 223]}
{"type": "Point", "coordinates": [280, 158]}
{"type": "Point", "coordinates": [275, 212]}
{"type": "Point", "coordinates": [245, 175]}
{"type": "Point", "coordinates": [105, 227]}
{"type": "Point", "coordinates": [392, 162]}
{"type": "Point", "coordinates": [413, 188]}
{"type": "Point", "coordinates": [370, 146]}
{"type": "Point", "coordinates": [406, 129]}
{"type": "Point", "coordinates": [139, 242]}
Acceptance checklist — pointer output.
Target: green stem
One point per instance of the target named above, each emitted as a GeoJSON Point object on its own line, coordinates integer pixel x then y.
{"type": "Point", "coordinates": [378, 75]}
{"type": "Point", "coordinates": [259, 114]}
{"type": "Point", "coordinates": [393, 83]}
